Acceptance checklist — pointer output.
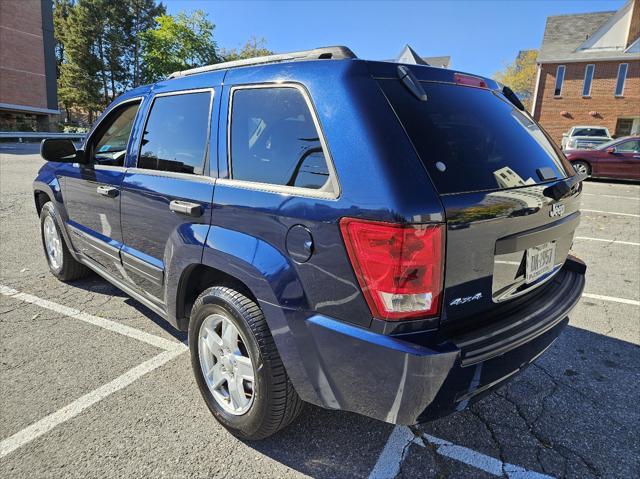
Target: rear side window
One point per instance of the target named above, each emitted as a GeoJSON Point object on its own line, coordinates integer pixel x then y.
{"type": "Point", "coordinates": [176, 134]}
{"type": "Point", "coordinates": [471, 139]}
{"type": "Point", "coordinates": [274, 140]}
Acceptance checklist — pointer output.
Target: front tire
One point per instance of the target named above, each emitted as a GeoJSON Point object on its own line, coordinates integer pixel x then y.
{"type": "Point", "coordinates": [237, 367]}
{"type": "Point", "coordinates": [61, 263]}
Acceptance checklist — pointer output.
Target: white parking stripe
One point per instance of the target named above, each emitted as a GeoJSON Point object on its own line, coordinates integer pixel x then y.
{"type": "Point", "coordinates": [586, 238]}
{"type": "Point", "coordinates": [610, 213]}
{"type": "Point", "coordinates": [614, 196]}
{"type": "Point", "coordinates": [388, 464]}
{"type": "Point", "coordinates": [70, 411]}
{"type": "Point", "coordinates": [611, 298]}
{"type": "Point", "coordinates": [109, 325]}
{"type": "Point", "coordinates": [391, 458]}
{"type": "Point", "coordinates": [481, 461]}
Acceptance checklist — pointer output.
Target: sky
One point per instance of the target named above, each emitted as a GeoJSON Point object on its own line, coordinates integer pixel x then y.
{"type": "Point", "coordinates": [480, 36]}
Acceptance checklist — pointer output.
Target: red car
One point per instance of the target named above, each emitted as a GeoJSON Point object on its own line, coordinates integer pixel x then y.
{"type": "Point", "coordinates": [619, 158]}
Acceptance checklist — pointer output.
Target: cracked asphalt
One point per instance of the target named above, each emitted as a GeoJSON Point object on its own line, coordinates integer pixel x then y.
{"type": "Point", "coordinates": [573, 413]}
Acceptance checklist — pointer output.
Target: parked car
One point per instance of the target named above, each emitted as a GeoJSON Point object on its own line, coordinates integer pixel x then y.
{"type": "Point", "coordinates": [364, 236]}
{"type": "Point", "coordinates": [584, 137]}
{"type": "Point", "coordinates": [618, 158]}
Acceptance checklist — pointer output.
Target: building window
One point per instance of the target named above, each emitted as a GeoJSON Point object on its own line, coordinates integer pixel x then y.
{"type": "Point", "coordinates": [559, 80]}
{"type": "Point", "coordinates": [622, 75]}
{"type": "Point", "coordinates": [588, 78]}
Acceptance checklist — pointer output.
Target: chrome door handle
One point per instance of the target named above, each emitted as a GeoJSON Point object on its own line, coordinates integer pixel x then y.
{"type": "Point", "coordinates": [186, 208]}
{"type": "Point", "coordinates": [108, 191]}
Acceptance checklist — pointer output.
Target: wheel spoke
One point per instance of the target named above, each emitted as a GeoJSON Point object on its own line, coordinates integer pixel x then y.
{"type": "Point", "coordinates": [214, 343]}
{"type": "Point", "coordinates": [216, 376]}
{"type": "Point", "coordinates": [244, 368]}
{"type": "Point", "coordinates": [230, 336]}
{"type": "Point", "coordinates": [236, 393]}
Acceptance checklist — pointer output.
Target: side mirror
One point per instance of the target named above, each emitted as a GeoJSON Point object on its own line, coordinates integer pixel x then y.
{"type": "Point", "coordinates": [612, 150]}
{"type": "Point", "coordinates": [60, 150]}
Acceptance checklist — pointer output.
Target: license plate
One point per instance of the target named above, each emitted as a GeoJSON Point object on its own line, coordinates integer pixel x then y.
{"type": "Point", "coordinates": [540, 260]}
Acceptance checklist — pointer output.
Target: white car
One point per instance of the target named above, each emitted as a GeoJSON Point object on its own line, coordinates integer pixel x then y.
{"type": "Point", "coordinates": [585, 137]}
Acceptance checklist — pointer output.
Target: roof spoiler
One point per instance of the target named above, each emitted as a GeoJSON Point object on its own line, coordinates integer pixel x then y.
{"type": "Point", "coordinates": [324, 53]}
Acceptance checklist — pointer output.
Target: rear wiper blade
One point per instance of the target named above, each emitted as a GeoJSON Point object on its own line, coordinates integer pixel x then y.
{"type": "Point", "coordinates": [564, 187]}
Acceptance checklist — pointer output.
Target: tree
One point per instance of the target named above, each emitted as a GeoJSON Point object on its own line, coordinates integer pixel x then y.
{"type": "Point", "coordinates": [520, 76]}
{"type": "Point", "coordinates": [99, 48]}
{"type": "Point", "coordinates": [178, 43]}
{"type": "Point", "coordinates": [253, 48]}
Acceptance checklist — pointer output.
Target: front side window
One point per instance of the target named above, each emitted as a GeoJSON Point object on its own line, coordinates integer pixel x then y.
{"type": "Point", "coordinates": [109, 146]}
{"type": "Point", "coordinates": [559, 80]}
{"type": "Point", "coordinates": [632, 146]}
{"type": "Point", "coordinates": [622, 76]}
{"type": "Point", "coordinates": [274, 140]}
{"type": "Point", "coordinates": [176, 134]}
{"type": "Point", "coordinates": [588, 78]}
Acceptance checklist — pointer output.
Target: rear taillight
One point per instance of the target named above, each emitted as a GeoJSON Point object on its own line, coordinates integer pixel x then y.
{"type": "Point", "coordinates": [399, 268]}
{"type": "Point", "coordinates": [469, 80]}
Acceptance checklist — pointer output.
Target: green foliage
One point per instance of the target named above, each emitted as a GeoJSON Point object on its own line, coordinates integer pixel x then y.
{"type": "Point", "coordinates": [98, 48]}
{"type": "Point", "coordinates": [178, 43]}
{"type": "Point", "coordinates": [520, 76]}
{"type": "Point", "coordinates": [253, 48]}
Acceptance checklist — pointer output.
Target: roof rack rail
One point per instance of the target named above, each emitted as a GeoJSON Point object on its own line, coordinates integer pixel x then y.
{"type": "Point", "coordinates": [324, 53]}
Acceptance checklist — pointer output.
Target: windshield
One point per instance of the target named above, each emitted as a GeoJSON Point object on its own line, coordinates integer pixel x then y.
{"type": "Point", "coordinates": [590, 132]}
{"type": "Point", "coordinates": [471, 139]}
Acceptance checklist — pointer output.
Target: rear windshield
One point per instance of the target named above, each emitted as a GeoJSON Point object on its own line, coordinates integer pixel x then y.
{"type": "Point", "coordinates": [589, 132]}
{"type": "Point", "coordinates": [470, 139]}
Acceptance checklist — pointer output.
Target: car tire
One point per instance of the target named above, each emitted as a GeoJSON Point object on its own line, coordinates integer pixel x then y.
{"type": "Point", "coordinates": [582, 167]}
{"type": "Point", "coordinates": [274, 403]}
{"type": "Point", "coordinates": [61, 262]}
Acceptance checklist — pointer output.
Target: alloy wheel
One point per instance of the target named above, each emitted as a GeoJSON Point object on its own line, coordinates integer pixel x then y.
{"type": "Point", "coordinates": [226, 365]}
{"type": "Point", "coordinates": [52, 243]}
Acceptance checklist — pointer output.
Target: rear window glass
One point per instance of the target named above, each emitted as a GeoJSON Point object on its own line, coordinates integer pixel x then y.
{"type": "Point", "coordinates": [469, 139]}
{"type": "Point", "coordinates": [589, 132]}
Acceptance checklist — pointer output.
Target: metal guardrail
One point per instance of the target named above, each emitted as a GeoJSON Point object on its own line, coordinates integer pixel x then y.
{"type": "Point", "coordinates": [20, 136]}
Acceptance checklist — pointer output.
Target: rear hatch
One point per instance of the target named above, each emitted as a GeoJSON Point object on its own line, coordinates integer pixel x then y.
{"type": "Point", "coordinates": [495, 171]}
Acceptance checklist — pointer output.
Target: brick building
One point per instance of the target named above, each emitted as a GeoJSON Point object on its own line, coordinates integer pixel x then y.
{"type": "Point", "coordinates": [589, 72]}
{"type": "Point", "coordinates": [28, 94]}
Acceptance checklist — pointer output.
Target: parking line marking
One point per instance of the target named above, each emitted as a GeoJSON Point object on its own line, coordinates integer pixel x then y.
{"type": "Point", "coordinates": [388, 464]}
{"type": "Point", "coordinates": [611, 298]}
{"type": "Point", "coordinates": [614, 196]}
{"type": "Point", "coordinates": [481, 461]}
{"type": "Point", "coordinates": [610, 213]}
{"type": "Point", "coordinates": [73, 409]}
{"type": "Point", "coordinates": [393, 454]}
{"type": "Point", "coordinates": [586, 238]}
{"type": "Point", "coordinates": [107, 324]}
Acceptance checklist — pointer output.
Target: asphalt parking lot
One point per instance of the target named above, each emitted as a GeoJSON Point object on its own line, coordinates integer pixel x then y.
{"type": "Point", "coordinates": [93, 384]}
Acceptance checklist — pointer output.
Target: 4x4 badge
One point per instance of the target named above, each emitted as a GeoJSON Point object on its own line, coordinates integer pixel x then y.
{"type": "Point", "coordinates": [557, 209]}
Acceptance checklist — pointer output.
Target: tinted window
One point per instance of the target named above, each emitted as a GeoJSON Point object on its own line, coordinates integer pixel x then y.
{"type": "Point", "coordinates": [473, 139]}
{"type": "Point", "coordinates": [589, 132]}
{"type": "Point", "coordinates": [622, 75]}
{"type": "Point", "coordinates": [175, 136]}
{"type": "Point", "coordinates": [110, 146]}
{"type": "Point", "coordinates": [588, 78]}
{"type": "Point", "coordinates": [274, 139]}
{"type": "Point", "coordinates": [559, 80]}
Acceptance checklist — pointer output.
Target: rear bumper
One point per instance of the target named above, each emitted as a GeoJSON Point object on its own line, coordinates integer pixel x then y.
{"type": "Point", "coordinates": [409, 380]}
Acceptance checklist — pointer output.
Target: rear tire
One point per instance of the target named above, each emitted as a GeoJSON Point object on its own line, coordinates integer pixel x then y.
{"type": "Point", "coordinates": [269, 401]}
{"type": "Point", "coordinates": [582, 167]}
{"type": "Point", "coordinates": [61, 263]}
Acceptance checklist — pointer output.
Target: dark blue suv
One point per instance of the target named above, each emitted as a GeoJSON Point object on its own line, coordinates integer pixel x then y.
{"type": "Point", "coordinates": [367, 236]}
